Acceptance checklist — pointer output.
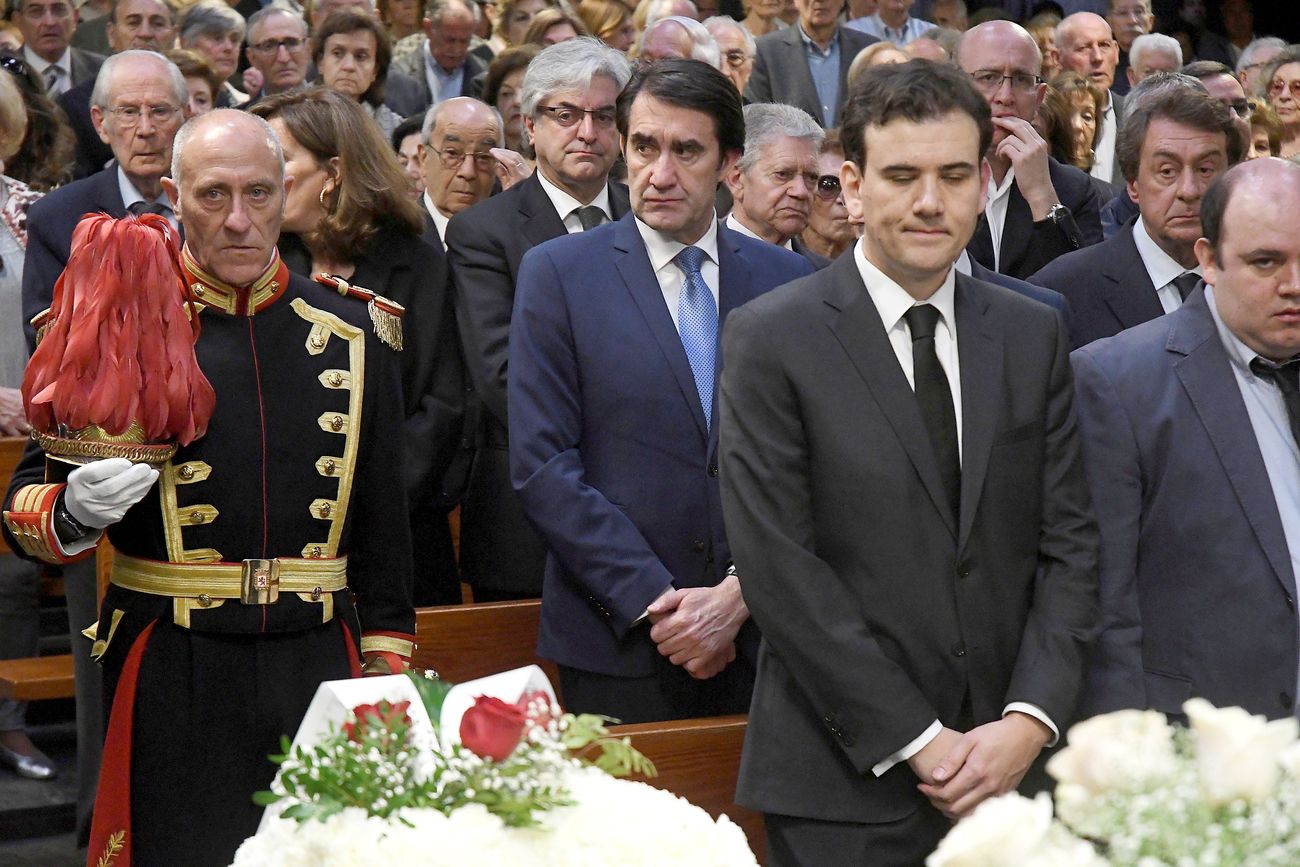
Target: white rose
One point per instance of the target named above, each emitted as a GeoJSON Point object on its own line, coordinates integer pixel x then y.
{"type": "Point", "coordinates": [1115, 752]}
{"type": "Point", "coordinates": [1237, 753]}
{"type": "Point", "coordinates": [1001, 832]}
{"type": "Point", "coordinates": [1062, 849]}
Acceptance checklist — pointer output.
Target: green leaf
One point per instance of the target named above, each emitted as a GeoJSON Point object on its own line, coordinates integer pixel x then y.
{"type": "Point", "coordinates": [265, 798]}
{"type": "Point", "coordinates": [433, 691]}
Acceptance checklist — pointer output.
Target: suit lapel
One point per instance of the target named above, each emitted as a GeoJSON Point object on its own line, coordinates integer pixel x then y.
{"type": "Point", "coordinates": [619, 201]}
{"type": "Point", "coordinates": [633, 264]}
{"type": "Point", "coordinates": [1206, 375]}
{"type": "Point", "coordinates": [981, 244]}
{"type": "Point", "coordinates": [107, 194]}
{"type": "Point", "coordinates": [1130, 296]}
{"type": "Point", "coordinates": [861, 333]}
{"type": "Point", "coordinates": [797, 66]}
{"type": "Point", "coordinates": [980, 358]}
{"type": "Point", "coordinates": [540, 222]}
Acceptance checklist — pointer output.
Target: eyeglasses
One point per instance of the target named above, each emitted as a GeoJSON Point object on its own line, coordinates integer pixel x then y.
{"type": "Point", "coordinates": [828, 188]}
{"type": "Point", "coordinates": [1240, 107]}
{"type": "Point", "coordinates": [1277, 85]}
{"type": "Point", "coordinates": [273, 46]}
{"type": "Point", "coordinates": [129, 115]}
{"type": "Point", "coordinates": [1132, 12]}
{"type": "Point", "coordinates": [567, 115]}
{"type": "Point", "coordinates": [989, 81]}
{"type": "Point", "coordinates": [736, 57]}
{"type": "Point", "coordinates": [453, 158]}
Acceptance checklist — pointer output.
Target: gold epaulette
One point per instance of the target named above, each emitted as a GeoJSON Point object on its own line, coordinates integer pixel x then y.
{"type": "Point", "coordinates": [384, 313]}
{"type": "Point", "coordinates": [41, 322]}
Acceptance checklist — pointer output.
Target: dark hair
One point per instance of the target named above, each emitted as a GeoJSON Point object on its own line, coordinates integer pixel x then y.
{"type": "Point", "coordinates": [411, 126]}
{"type": "Point", "coordinates": [371, 186]}
{"type": "Point", "coordinates": [1185, 107]}
{"type": "Point", "coordinates": [46, 157]}
{"type": "Point", "coordinates": [508, 61]}
{"type": "Point", "coordinates": [195, 65]}
{"type": "Point", "coordinates": [1203, 69]}
{"type": "Point", "coordinates": [831, 143]}
{"type": "Point", "coordinates": [346, 21]}
{"type": "Point", "coordinates": [918, 90]}
{"type": "Point", "coordinates": [689, 84]}
{"type": "Point", "coordinates": [553, 16]}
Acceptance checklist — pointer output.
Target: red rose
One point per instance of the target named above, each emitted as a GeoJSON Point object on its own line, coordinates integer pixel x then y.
{"type": "Point", "coordinates": [382, 715]}
{"type": "Point", "coordinates": [491, 728]}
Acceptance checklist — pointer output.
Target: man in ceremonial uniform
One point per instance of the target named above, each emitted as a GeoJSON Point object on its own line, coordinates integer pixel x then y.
{"type": "Point", "coordinates": [270, 554]}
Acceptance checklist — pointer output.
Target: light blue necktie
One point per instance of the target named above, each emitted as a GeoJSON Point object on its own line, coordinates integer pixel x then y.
{"type": "Point", "coordinates": [697, 322]}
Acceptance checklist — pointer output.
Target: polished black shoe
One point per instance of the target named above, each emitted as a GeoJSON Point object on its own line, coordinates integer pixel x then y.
{"type": "Point", "coordinates": [37, 767]}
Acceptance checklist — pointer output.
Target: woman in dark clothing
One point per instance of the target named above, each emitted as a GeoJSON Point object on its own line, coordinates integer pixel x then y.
{"type": "Point", "coordinates": [347, 215]}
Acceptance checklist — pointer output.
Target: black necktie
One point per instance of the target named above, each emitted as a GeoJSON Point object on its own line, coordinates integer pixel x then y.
{"type": "Point", "coordinates": [590, 217]}
{"type": "Point", "coordinates": [1287, 378]}
{"type": "Point", "coordinates": [1185, 283]}
{"type": "Point", "coordinates": [935, 400]}
{"type": "Point", "coordinates": [140, 208]}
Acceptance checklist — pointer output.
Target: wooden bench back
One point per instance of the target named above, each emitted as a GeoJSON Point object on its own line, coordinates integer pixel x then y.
{"type": "Point", "coordinates": [464, 642]}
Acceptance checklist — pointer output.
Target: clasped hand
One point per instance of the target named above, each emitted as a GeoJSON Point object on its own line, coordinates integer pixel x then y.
{"type": "Point", "coordinates": [959, 771]}
{"type": "Point", "coordinates": [696, 627]}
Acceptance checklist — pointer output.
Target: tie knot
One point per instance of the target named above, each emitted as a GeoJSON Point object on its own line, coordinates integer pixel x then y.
{"type": "Point", "coordinates": [139, 208]}
{"type": "Point", "coordinates": [921, 320]}
{"type": "Point", "coordinates": [689, 259]}
{"type": "Point", "coordinates": [590, 216]}
{"type": "Point", "coordinates": [1185, 283]}
{"type": "Point", "coordinates": [1284, 375]}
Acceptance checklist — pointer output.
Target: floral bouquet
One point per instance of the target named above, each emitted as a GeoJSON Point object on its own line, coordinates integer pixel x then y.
{"type": "Point", "coordinates": [1134, 791]}
{"type": "Point", "coordinates": [419, 782]}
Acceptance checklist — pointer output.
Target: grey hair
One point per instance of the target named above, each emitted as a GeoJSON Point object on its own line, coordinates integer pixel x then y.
{"type": "Point", "coordinates": [432, 115]}
{"type": "Point", "coordinates": [436, 9]}
{"type": "Point", "coordinates": [1254, 47]}
{"type": "Point", "coordinates": [255, 20]}
{"type": "Point", "coordinates": [711, 24]}
{"type": "Point", "coordinates": [703, 46]}
{"type": "Point", "coordinates": [656, 11]}
{"type": "Point", "coordinates": [1068, 22]}
{"type": "Point", "coordinates": [187, 130]}
{"type": "Point", "coordinates": [1155, 42]}
{"type": "Point", "coordinates": [209, 17]}
{"type": "Point", "coordinates": [767, 121]}
{"type": "Point", "coordinates": [571, 65]}
{"type": "Point", "coordinates": [102, 92]}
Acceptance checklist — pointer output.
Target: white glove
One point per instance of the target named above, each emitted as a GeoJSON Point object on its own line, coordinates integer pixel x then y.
{"type": "Point", "coordinates": [99, 493]}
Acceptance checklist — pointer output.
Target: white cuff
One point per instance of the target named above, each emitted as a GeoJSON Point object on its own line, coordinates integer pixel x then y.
{"type": "Point", "coordinates": [1037, 713]}
{"type": "Point", "coordinates": [646, 613]}
{"type": "Point", "coordinates": [912, 748]}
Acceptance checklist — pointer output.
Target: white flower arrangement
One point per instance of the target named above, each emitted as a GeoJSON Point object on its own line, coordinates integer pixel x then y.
{"type": "Point", "coordinates": [1132, 791]}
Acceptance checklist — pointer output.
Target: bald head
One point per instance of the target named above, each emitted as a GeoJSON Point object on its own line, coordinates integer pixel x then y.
{"type": "Point", "coordinates": [243, 131]}
{"type": "Point", "coordinates": [926, 49]}
{"type": "Point", "coordinates": [1088, 47]}
{"type": "Point", "coordinates": [991, 44]}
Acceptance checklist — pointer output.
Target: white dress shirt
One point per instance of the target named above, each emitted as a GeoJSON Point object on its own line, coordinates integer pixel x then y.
{"type": "Point", "coordinates": [662, 249]}
{"type": "Point", "coordinates": [996, 212]}
{"type": "Point", "coordinates": [440, 221]}
{"type": "Point", "coordinates": [566, 206]}
{"type": "Point", "coordinates": [1103, 156]}
{"type": "Point", "coordinates": [892, 302]}
{"type": "Point", "coordinates": [40, 64]}
{"type": "Point", "coordinates": [737, 226]}
{"type": "Point", "coordinates": [1161, 268]}
{"type": "Point", "coordinates": [130, 195]}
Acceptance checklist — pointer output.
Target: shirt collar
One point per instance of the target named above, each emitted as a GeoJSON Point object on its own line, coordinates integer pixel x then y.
{"type": "Point", "coordinates": [810, 44]}
{"type": "Point", "coordinates": [565, 204]}
{"type": "Point", "coordinates": [131, 195]}
{"type": "Point", "coordinates": [892, 300]}
{"type": "Point", "coordinates": [1239, 354]}
{"type": "Point", "coordinates": [736, 226]}
{"type": "Point", "coordinates": [662, 249]}
{"type": "Point", "coordinates": [40, 64]}
{"type": "Point", "coordinates": [888, 31]}
{"type": "Point", "coordinates": [440, 221]}
{"type": "Point", "coordinates": [1161, 267]}
{"type": "Point", "coordinates": [997, 191]}
{"type": "Point", "coordinates": [210, 291]}
{"type": "Point", "coordinates": [962, 265]}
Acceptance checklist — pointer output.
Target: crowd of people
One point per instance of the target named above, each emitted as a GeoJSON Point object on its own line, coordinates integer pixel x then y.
{"type": "Point", "coordinates": [1006, 435]}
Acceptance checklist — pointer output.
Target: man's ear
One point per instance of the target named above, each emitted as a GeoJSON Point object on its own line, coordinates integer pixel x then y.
{"type": "Point", "coordinates": [851, 186]}
{"type": "Point", "coordinates": [735, 181]}
{"type": "Point", "coordinates": [1205, 257]}
{"type": "Point", "coordinates": [1132, 189]}
{"type": "Point", "coordinates": [173, 195]}
{"type": "Point", "coordinates": [529, 126]}
{"type": "Point", "coordinates": [97, 120]}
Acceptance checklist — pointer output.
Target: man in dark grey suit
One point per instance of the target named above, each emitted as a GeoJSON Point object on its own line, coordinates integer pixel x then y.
{"type": "Point", "coordinates": [773, 183]}
{"type": "Point", "coordinates": [443, 67]}
{"type": "Point", "coordinates": [568, 100]}
{"type": "Point", "coordinates": [1189, 427]}
{"type": "Point", "coordinates": [1088, 47]}
{"type": "Point", "coordinates": [1037, 208]}
{"type": "Point", "coordinates": [47, 27]}
{"type": "Point", "coordinates": [905, 499]}
{"type": "Point", "coordinates": [807, 65]}
{"type": "Point", "coordinates": [1173, 145]}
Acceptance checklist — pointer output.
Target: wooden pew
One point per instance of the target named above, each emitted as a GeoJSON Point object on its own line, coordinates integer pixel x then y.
{"type": "Point", "coordinates": [699, 760]}
{"type": "Point", "coordinates": [464, 642]}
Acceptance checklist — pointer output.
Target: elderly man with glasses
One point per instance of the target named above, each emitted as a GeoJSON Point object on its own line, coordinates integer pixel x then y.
{"type": "Point", "coordinates": [277, 52]}
{"type": "Point", "coordinates": [737, 46]}
{"type": "Point", "coordinates": [456, 160]}
{"type": "Point", "coordinates": [1037, 208]}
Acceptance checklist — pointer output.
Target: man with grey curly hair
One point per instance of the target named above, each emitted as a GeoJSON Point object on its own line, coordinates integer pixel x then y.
{"type": "Point", "coordinates": [567, 100]}
{"type": "Point", "coordinates": [775, 179]}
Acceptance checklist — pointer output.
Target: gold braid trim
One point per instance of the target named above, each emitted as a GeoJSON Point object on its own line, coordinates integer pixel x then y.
{"type": "Point", "coordinates": [111, 851]}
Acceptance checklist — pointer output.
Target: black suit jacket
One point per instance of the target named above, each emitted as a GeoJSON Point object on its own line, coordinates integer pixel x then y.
{"type": "Point", "coordinates": [881, 611]}
{"type": "Point", "coordinates": [781, 71]}
{"type": "Point", "coordinates": [486, 243]}
{"type": "Point", "coordinates": [1107, 286]}
{"type": "Point", "coordinates": [49, 236]}
{"type": "Point", "coordinates": [1026, 246]}
{"type": "Point", "coordinates": [408, 86]}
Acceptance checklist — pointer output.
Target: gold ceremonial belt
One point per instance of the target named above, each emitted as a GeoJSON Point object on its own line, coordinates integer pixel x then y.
{"type": "Point", "coordinates": [253, 582]}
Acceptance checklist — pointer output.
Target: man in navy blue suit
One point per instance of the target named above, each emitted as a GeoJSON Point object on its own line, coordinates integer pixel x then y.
{"type": "Point", "coordinates": [136, 108]}
{"type": "Point", "coordinates": [613, 433]}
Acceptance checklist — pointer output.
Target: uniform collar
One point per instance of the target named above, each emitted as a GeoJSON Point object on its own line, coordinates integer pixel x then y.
{"type": "Point", "coordinates": [203, 288]}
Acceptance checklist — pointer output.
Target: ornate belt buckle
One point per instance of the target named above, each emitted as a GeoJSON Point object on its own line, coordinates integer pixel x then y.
{"type": "Point", "coordinates": [260, 582]}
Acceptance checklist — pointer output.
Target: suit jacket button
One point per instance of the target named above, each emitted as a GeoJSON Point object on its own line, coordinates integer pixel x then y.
{"type": "Point", "coordinates": [963, 569]}
{"type": "Point", "coordinates": [1286, 701]}
{"type": "Point", "coordinates": [713, 470]}
{"type": "Point", "coordinates": [959, 650]}
{"type": "Point", "coordinates": [697, 546]}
